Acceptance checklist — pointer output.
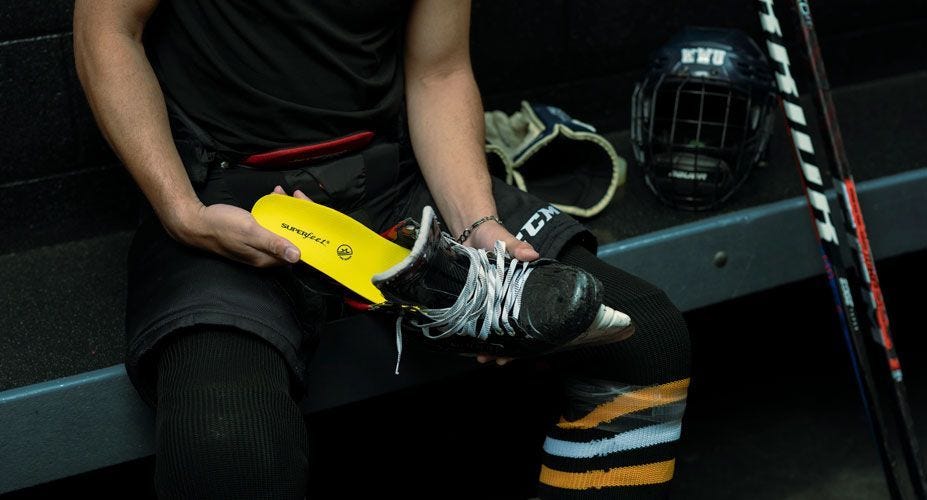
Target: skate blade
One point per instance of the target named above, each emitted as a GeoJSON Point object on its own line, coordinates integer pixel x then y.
{"type": "Point", "coordinates": [330, 241]}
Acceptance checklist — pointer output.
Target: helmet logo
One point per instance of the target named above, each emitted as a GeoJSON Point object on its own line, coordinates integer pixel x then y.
{"type": "Point", "coordinates": [704, 56]}
{"type": "Point", "coordinates": [690, 176]}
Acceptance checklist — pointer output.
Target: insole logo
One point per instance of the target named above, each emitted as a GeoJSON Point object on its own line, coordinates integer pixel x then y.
{"type": "Point", "coordinates": [306, 235]}
{"type": "Point", "coordinates": [345, 252]}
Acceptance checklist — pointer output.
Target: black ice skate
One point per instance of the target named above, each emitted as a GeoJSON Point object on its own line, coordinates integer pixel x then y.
{"type": "Point", "coordinates": [470, 301]}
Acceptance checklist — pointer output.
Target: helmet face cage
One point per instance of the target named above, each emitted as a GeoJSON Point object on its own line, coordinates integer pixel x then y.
{"type": "Point", "coordinates": [697, 134]}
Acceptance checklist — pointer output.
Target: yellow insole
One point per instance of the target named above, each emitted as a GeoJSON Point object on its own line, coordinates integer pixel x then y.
{"type": "Point", "coordinates": [330, 241]}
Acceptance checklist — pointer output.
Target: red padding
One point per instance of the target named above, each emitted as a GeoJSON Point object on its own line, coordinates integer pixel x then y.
{"type": "Point", "coordinates": [311, 152]}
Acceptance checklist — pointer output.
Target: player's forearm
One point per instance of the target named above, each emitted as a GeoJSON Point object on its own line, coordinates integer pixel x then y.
{"type": "Point", "coordinates": [128, 104]}
{"type": "Point", "coordinates": [448, 133]}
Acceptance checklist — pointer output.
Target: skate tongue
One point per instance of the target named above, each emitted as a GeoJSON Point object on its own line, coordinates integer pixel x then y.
{"type": "Point", "coordinates": [429, 276]}
{"type": "Point", "coordinates": [416, 253]}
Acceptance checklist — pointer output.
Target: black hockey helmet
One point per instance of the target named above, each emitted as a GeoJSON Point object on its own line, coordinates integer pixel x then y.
{"type": "Point", "coordinates": [701, 116]}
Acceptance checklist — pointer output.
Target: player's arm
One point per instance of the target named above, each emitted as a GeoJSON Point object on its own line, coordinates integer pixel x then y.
{"type": "Point", "coordinates": [128, 104]}
{"type": "Point", "coordinates": [446, 121]}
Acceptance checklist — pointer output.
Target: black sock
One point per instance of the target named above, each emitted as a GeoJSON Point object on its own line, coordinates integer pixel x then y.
{"type": "Point", "coordinates": [226, 424]}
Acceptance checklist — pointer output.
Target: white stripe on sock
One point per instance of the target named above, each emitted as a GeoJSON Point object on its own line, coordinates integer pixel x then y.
{"type": "Point", "coordinates": [630, 440]}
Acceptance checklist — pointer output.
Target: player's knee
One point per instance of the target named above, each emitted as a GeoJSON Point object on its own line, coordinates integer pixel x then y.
{"type": "Point", "coordinates": [666, 320]}
{"type": "Point", "coordinates": [657, 353]}
{"type": "Point", "coordinates": [663, 337]}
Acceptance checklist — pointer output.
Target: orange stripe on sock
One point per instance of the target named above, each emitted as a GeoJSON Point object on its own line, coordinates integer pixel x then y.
{"type": "Point", "coordinates": [633, 475]}
{"type": "Point", "coordinates": [631, 402]}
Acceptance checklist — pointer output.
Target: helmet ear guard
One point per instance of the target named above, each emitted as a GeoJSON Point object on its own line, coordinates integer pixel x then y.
{"type": "Point", "coordinates": [702, 116]}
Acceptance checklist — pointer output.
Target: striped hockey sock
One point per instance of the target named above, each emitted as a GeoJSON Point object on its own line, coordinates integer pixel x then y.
{"type": "Point", "coordinates": [617, 441]}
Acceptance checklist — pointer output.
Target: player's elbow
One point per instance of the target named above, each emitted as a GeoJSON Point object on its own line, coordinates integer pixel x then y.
{"type": "Point", "coordinates": [437, 67]}
{"type": "Point", "coordinates": [438, 74]}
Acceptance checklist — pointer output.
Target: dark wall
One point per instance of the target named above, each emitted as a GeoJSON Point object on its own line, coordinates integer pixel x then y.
{"type": "Point", "coordinates": [59, 181]}
{"type": "Point", "coordinates": [585, 54]}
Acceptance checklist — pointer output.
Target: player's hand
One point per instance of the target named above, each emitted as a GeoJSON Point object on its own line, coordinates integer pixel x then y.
{"type": "Point", "coordinates": [486, 358]}
{"type": "Point", "coordinates": [233, 233]}
{"type": "Point", "coordinates": [296, 194]}
{"type": "Point", "coordinates": [485, 237]}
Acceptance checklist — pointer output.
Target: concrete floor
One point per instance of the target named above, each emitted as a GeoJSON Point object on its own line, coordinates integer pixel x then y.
{"type": "Point", "coordinates": [774, 412]}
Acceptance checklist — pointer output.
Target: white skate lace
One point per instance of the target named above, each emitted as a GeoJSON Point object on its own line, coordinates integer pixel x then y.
{"type": "Point", "coordinates": [490, 297]}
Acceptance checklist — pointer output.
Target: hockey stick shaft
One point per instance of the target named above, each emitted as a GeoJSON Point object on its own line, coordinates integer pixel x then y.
{"type": "Point", "coordinates": [868, 282]}
{"type": "Point", "coordinates": [837, 273]}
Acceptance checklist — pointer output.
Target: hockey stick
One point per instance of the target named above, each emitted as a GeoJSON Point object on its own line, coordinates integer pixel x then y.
{"type": "Point", "coordinates": [859, 277]}
{"type": "Point", "coordinates": [868, 281]}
